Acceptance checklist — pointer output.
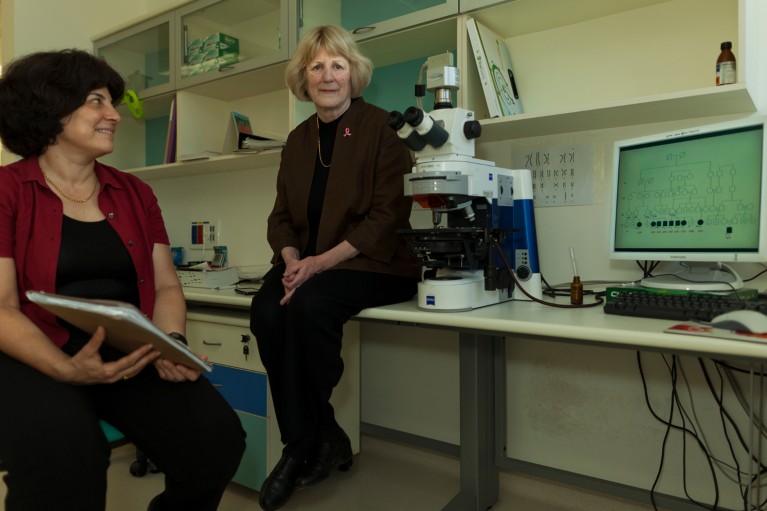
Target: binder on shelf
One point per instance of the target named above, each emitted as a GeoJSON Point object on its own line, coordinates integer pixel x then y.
{"type": "Point", "coordinates": [170, 140]}
{"type": "Point", "coordinates": [127, 329]}
{"type": "Point", "coordinates": [241, 123]}
{"type": "Point", "coordinates": [491, 55]}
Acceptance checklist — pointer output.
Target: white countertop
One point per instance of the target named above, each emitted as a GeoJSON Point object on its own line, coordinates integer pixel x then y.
{"type": "Point", "coordinates": [589, 325]}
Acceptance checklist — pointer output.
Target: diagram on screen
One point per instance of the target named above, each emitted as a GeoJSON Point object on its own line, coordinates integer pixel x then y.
{"type": "Point", "coordinates": [685, 197]}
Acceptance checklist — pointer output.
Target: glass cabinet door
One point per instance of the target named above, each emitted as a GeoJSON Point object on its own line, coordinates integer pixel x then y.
{"type": "Point", "coordinates": [473, 5]}
{"type": "Point", "coordinates": [230, 35]}
{"type": "Point", "coordinates": [142, 54]}
{"type": "Point", "coordinates": [370, 18]}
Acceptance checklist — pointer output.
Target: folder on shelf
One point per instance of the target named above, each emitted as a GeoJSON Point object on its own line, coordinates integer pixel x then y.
{"type": "Point", "coordinates": [126, 327]}
{"type": "Point", "coordinates": [170, 140]}
{"type": "Point", "coordinates": [493, 61]}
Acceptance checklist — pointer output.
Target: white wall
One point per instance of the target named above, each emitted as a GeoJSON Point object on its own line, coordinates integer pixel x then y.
{"type": "Point", "coordinates": [35, 25]}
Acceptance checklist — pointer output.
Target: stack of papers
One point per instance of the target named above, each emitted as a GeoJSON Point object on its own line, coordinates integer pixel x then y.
{"type": "Point", "coordinates": [252, 143]}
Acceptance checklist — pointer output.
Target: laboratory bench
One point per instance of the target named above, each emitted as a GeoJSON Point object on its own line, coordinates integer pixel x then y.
{"type": "Point", "coordinates": [481, 334]}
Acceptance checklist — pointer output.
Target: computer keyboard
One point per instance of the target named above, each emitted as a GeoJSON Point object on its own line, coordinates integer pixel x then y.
{"type": "Point", "coordinates": [678, 306]}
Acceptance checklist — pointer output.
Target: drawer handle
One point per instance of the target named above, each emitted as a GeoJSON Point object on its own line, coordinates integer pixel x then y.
{"type": "Point", "coordinates": [212, 343]}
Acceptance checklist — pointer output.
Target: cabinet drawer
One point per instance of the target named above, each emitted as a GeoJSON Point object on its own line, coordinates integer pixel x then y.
{"type": "Point", "coordinates": [243, 389]}
{"type": "Point", "coordinates": [224, 343]}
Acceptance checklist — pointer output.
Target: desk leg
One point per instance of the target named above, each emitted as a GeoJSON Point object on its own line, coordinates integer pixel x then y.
{"type": "Point", "coordinates": [479, 473]}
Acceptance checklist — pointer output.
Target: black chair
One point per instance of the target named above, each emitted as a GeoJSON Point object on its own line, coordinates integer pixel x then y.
{"type": "Point", "coordinates": [138, 468]}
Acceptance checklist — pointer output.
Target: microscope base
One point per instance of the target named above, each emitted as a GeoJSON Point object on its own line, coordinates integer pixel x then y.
{"type": "Point", "coordinates": [533, 286]}
{"type": "Point", "coordinates": [458, 292]}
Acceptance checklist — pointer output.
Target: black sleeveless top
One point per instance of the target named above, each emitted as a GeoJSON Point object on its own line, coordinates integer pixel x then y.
{"type": "Point", "coordinates": [94, 263]}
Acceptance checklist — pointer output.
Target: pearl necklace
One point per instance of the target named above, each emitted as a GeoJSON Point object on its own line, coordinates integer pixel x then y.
{"type": "Point", "coordinates": [69, 197]}
{"type": "Point", "coordinates": [319, 150]}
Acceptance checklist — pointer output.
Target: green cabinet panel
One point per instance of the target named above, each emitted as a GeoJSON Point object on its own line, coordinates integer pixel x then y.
{"type": "Point", "coordinates": [252, 471]}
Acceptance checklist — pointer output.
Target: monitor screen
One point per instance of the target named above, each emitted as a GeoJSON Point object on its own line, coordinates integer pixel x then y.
{"type": "Point", "coordinates": [694, 195]}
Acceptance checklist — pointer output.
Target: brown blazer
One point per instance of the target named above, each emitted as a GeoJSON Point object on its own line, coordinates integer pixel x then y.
{"type": "Point", "coordinates": [364, 200]}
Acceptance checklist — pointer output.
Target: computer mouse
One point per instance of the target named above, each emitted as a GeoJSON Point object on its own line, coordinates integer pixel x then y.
{"type": "Point", "coordinates": [744, 320]}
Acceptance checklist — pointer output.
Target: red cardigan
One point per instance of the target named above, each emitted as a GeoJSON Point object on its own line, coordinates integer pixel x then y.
{"type": "Point", "coordinates": [31, 219]}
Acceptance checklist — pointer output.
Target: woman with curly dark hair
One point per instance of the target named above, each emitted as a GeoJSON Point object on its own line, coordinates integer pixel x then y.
{"type": "Point", "coordinates": [71, 225]}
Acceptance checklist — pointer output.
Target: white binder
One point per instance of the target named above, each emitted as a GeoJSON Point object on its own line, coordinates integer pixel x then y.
{"type": "Point", "coordinates": [493, 61]}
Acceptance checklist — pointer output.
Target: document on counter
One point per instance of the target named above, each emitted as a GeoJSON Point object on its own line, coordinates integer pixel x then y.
{"type": "Point", "coordinates": [127, 329]}
{"type": "Point", "coordinates": [702, 330]}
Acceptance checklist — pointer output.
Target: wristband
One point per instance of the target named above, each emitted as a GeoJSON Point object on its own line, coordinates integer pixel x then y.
{"type": "Point", "coordinates": [179, 337]}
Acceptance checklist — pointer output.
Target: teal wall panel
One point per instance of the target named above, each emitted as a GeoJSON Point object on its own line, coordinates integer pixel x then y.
{"type": "Point", "coordinates": [156, 133]}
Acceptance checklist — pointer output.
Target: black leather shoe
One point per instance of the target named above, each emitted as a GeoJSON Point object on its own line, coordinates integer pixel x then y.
{"type": "Point", "coordinates": [330, 453]}
{"type": "Point", "coordinates": [279, 486]}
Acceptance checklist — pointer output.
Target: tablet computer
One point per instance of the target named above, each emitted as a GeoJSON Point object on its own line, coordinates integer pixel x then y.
{"type": "Point", "coordinates": [126, 326]}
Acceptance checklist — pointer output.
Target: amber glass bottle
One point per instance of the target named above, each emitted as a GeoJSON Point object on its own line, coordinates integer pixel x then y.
{"type": "Point", "coordinates": [576, 291]}
{"type": "Point", "coordinates": [725, 65]}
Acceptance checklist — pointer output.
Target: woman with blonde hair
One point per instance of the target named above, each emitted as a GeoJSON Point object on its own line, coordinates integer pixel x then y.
{"type": "Point", "coordinates": [333, 231]}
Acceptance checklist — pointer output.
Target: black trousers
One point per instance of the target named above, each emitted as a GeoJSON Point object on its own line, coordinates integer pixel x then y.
{"type": "Point", "coordinates": [57, 456]}
{"type": "Point", "coordinates": [300, 342]}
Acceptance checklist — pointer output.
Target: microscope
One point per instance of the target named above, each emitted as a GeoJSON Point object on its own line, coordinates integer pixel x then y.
{"type": "Point", "coordinates": [482, 215]}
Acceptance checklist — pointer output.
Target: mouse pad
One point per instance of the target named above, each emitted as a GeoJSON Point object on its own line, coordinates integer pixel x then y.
{"type": "Point", "coordinates": [720, 333]}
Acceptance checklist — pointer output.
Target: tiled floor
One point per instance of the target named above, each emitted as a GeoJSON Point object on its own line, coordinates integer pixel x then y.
{"type": "Point", "coordinates": [387, 476]}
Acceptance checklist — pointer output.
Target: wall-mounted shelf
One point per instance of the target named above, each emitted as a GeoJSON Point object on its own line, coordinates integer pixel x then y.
{"type": "Point", "coordinates": [705, 102]}
{"type": "Point", "coordinates": [225, 163]}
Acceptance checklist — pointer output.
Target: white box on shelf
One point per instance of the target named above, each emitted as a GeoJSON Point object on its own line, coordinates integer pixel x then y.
{"type": "Point", "coordinates": [493, 61]}
{"type": "Point", "coordinates": [210, 279]}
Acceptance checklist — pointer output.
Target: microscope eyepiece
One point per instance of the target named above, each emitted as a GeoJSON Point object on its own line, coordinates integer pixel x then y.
{"type": "Point", "coordinates": [407, 133]}
{"type": "Point", "coordinates": [413, 116]}
{"type": "Point", "coordinates": [395, 120]}
{"type": "Point", "coordinates": [425, 126]}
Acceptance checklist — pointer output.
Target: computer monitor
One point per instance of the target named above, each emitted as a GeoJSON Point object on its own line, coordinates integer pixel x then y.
{"type": "Point", "coordinates": [695, 196]}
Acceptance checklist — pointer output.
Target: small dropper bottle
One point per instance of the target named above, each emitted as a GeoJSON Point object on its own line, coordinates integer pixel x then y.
{"type": "Point", "coordinates": [576, 287]}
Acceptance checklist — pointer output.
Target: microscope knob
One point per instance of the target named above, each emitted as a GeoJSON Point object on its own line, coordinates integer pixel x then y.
{"type": "Point", "coordinates": [472, 129]}
{"type": "Point", "coordinates": [523, 272]}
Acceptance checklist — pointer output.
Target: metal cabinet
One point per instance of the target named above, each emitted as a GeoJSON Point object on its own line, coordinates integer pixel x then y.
{"type": "Point", "coordinates": [199, 42]}
{"type": "Point", "coordinates": [371, 18]}
{"type": "Point", "coordinates": [243, 383]}
{"type": "Point", "coordinates": [143, 54]}
{"type": "Point", "coordinates": [223, 335]}
{"type": "Point", "coordinates": [473, 5]}
{"type": "Point", "coordinates": [218, 38]}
